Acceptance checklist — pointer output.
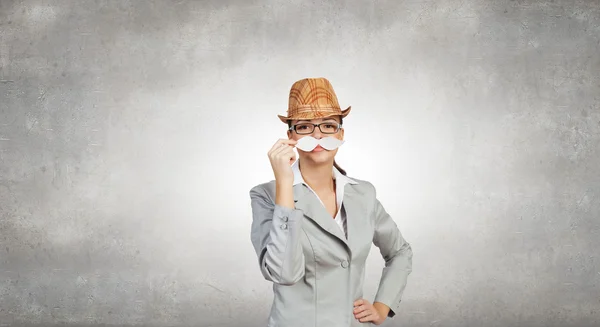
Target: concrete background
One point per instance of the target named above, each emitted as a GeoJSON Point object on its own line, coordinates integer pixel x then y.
{"type": "Point", "coordinates": [132, 131]}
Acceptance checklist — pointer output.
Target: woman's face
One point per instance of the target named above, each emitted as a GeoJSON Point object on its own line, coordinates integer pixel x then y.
{"type": "Point", "coordinates": [319, 154]}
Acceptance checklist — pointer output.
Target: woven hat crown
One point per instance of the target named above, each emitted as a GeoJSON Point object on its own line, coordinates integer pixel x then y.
{"type": "Point", "coordinates": [312, 98]}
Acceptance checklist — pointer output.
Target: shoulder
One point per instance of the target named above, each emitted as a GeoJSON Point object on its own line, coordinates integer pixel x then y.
{"type": "Point", "coordinates": [265, 190]}
{"type": "Point", "coordinates": [363, 186]}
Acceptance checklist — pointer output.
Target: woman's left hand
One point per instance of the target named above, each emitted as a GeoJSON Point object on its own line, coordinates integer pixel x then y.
{"type": "Point", "coordinates": [364, 311]}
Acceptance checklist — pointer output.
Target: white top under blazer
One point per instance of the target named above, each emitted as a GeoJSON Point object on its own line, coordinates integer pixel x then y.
{"type": "Point", "coordinates": [341, 181]}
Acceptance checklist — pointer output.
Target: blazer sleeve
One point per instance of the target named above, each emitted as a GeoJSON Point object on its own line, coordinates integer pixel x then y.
{"type": "Point", "coordinates": [275, 235]}
{"type": "Point", "coordinates": [396, 252]}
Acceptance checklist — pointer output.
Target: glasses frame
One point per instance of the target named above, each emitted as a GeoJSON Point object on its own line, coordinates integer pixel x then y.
{"type": "Point", "coordinates": [339, 127]}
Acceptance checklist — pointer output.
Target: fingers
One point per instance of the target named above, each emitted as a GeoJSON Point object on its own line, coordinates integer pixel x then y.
{"type": "Point", "coordinates": [281, 152]}
{"type": "Point", "coordinates": [284, 141]}
{"type": "Point", "coordinates": [360, 308]}
{"type": "Point", "coordinates": [367, 315]}
{"type": "Point", "coordinates": [280, 144]}
{"type": "Point", "coordinates": [283, 148]}
{"type": "Point", "coordinates": [370, 317]}
{"type": "Point", "coordinates": [363, 314]}
{"type": "Point", "coordinates": [364, 311]}
{"type": "Point", "coordinates": [284, 151]}
{"type": "Point", "coordinates": [292, 160]}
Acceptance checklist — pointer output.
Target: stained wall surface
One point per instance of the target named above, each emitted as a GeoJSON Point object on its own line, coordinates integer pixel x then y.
{"type": "Point", "coordinates": [132, 131]}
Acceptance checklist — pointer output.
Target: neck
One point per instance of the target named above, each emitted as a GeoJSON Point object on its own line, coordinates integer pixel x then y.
{"type": "Point", "coordinates": [318, 176]}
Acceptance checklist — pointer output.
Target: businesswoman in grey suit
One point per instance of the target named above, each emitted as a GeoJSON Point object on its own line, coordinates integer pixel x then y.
{"type": "Point", "coordinates": [313, 226]}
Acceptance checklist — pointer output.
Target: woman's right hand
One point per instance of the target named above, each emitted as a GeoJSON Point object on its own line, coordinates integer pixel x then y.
{"type": "Point", "coordinates": [282, 156]}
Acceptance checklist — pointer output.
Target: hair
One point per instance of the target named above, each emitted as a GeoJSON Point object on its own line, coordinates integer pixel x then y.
{"type": "Point", "coordinates": [342, 171]}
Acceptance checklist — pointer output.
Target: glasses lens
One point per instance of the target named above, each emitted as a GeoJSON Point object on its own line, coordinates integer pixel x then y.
{"type": "Point", "coordinates": [304, 128]}
{"type": "Point", "coordinates": [329, 128]}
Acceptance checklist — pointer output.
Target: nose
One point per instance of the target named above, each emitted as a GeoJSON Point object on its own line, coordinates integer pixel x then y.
{"type": "Point", "coordinates": [317, 133]}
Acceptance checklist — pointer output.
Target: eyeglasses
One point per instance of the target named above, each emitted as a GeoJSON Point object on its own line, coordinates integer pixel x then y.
{"type": "Point", "coordinates": [308, 128]}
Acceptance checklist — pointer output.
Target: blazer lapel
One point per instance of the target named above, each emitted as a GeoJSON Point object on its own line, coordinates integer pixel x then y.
{"type": "Point", "coordinates": [356, 215]}
{"type": "Point", "coordinates": [308, 202]}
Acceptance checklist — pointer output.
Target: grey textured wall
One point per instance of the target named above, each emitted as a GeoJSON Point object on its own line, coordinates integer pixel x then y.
{"type": "Point", "coordinates": [131, 132]}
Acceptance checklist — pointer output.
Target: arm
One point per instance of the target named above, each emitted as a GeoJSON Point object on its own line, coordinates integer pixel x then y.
{"type": "Point", "coordinates": [275, 236]}
{"type": "Point", "coordinates": [397, 253]}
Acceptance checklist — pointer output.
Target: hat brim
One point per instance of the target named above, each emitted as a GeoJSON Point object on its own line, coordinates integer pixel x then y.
{"type": "Point", "coordinates": [314, 115]}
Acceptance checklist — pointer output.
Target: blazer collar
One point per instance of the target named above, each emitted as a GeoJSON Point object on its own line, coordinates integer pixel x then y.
{"type": "Point", "coordinates": [337, 175]}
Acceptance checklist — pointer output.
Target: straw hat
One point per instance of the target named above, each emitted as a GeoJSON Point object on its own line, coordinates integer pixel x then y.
{"type": "Point", "coordinates": [312, 98]}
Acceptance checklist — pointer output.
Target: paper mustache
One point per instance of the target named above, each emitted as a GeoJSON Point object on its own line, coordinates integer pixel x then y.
{"type": "Point", "coordinates": [308, 143]}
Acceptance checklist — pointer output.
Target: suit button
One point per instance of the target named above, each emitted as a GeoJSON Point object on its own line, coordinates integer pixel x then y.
{"type": "Point", "coordinates": [345, 264]}
{"type": "Point", "coordinates": [285, 218]}
{"type": "Point", "coordinates": [284, 226]}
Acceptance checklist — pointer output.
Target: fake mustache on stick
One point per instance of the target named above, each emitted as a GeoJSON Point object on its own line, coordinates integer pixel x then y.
{"type": "Point", "coordinates": [308, 143]}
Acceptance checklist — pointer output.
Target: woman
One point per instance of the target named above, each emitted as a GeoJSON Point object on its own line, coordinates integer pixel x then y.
{"type": "Point", "coordinates": [313, 226]}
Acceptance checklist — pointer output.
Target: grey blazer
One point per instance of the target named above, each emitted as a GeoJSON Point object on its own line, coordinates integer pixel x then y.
{"type": "Point", "coordinates": [316, 272]}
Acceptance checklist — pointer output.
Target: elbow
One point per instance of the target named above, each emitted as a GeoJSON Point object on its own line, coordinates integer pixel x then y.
{"type": "Point", "coordinates": [403, 253]}
{"type": "Point", "coordinates": [284, 278]}
{"type": "Point", "coordinates": [283, 272]}
{"type": "Point", "coordinates": [290, 274]}
{"type": "Point", "coordinates": [289, 280]}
